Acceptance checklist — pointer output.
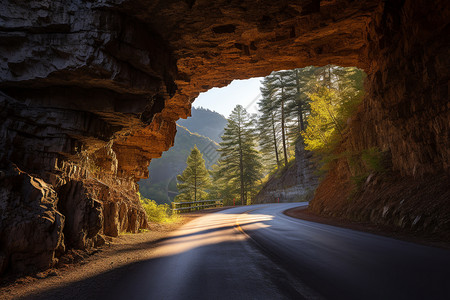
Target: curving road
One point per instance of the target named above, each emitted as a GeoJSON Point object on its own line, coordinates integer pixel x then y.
{"type": "Point", "coordinates": [257, 252]}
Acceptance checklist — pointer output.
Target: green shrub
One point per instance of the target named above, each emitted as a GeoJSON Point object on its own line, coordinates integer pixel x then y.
{"type": "Point", "coordinates": [364, 163]}
{"type": "Point", "coordinates": [158, 213]}
{"type": "Point", "coordinates": [359, 180]}
{"type": "Point", "coordinates": [373, 159]}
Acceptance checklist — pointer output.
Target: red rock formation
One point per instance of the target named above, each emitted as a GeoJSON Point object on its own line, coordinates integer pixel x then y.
{"type": "Point", "coordinates": [406, 114]}
{"type": "Point", "coordinates": [90, 92]}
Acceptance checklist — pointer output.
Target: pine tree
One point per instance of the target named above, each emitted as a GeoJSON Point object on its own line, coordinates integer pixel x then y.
{"type": "Point", "coordinates": [283, 90]}
{"type": "Point", "coordinates": [285, 108]}
{"type": "Point", "coordinates": [221, 187]}
{"type": "Point", "coordinates": [239, 163]}
{"type": "Point", "coordinates": [268, 126]}
{"type": "Point", "coordinates": [280, 90]}
{"type": "Point", "coordinates": [298, 105]}
{"type": "Point", "coordinates": [194, 180]}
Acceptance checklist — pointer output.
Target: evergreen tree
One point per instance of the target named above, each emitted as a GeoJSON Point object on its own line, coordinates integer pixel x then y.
{"type": "Point", "coordinates": [280, 89]}
{"type": "Point", "coordinates": [283, 99]}
{"type": "Point", "coordinates": [313, 101]}
{"type": "Point", "coordinates": [221, 188]}
{"type": "Point", "coordinates": [297, 106]}
{"type": "Point", "coordinates": [239, 163]}
{"type": "Point", "coordinates": [323, 122]}
{"type": "Point", "coordinates": [268, 126]}
{"type": "Point", "coordinates": [284, 107]}
{"type": "Point", "coordinates": [194, 180]}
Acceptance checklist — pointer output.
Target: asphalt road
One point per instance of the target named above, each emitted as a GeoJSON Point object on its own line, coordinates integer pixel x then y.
{"type": "Point", "coordinates": [257, 252]}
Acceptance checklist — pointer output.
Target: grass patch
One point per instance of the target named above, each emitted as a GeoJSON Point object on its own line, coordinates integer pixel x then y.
{"type": "Point", "coordinates": [373, 159]}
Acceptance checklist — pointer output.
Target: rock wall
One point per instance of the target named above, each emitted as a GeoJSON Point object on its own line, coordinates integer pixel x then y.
{"type": "Point", "coordinates": [405, 114]}
{"type": "Point", "coordinates": [90, 92]}
{"type": "Point", "coordinates": [295, 183]}
{"type": "Point", "coordinates": [76, 78]}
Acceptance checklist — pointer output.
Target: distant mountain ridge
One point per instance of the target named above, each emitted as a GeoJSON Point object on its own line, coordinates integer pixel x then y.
{"type": "Point", "coordinates": [205, 122]}
{"type": "Point", "coordinates": [203, 129]}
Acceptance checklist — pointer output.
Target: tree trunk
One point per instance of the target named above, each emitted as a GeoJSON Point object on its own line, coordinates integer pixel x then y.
{"type": "Point", "coordinates": [275, 141]}
{"type": "Point", "coordinates": [302, 122]}
{"type": "Point", "coordinates": [329, 76]}
{"type": "Point", "coordinates": [282, 126]}
{"type": "Point", "coordinates": [241, 163]}
{"type": "Point", "coordinates": [299, 103]}
{"type": "Point", "coordinates": [195, 189]}
{"type": "Point", "coordinates": [241, 167]}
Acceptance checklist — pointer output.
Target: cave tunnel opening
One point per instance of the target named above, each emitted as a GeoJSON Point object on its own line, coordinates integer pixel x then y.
{"type": "Point", "coordinates": [278, 105]}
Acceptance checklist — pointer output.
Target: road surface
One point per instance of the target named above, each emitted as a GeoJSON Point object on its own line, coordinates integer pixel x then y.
{"type": "Point", "coordinates": [257, 252]}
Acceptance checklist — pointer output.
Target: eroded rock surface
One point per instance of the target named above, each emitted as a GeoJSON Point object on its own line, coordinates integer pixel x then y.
{"type": "Point", "coordinates": [30, 224]}
{"type": "Point", "coordinates": [405, 114]}
{"type": "Point", "coordinates": [295, 183]}
{"type": "Point", "coordinates": [90, 92]}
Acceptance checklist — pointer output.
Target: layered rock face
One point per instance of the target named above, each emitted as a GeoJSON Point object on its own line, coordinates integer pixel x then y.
{"type": "Point", "coordinates": [76, 79]}
{"type": "Point", "coordinates": [405, 114]}
{"type": "Point", "coordinates": [90, 92]}
{"type": "Point", "coordinates": [295, 183]}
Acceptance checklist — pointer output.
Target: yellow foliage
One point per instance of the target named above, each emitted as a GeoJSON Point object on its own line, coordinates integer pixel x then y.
{"type": "Point", "coordinates": [324, 122]}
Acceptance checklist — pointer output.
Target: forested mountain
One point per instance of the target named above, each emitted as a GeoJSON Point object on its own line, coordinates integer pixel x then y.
{"type": "Point", "coordinates": [161, 184]}
{"type": "Point", "coordinates": [205, 122]}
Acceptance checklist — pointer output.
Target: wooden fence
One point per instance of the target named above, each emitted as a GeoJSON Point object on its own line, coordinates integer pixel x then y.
{"type": "Point", "coordinates": [195, 205]}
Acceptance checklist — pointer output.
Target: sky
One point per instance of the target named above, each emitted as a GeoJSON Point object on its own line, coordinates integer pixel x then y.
{"type": "Point", "coordinates": [223, 100]}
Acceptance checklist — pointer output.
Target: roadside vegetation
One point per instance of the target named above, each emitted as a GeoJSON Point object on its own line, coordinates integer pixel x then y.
{"type": "Point", "coordinates": [158, 213]}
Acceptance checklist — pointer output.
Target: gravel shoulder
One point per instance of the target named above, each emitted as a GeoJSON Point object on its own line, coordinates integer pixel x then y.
{"type": "Point", "coordinates": [123, 250]}
{"type": "Point", "coordinates": [304, 213]}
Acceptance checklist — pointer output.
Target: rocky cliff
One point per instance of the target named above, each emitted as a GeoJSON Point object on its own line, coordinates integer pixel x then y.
{"type": "Point", "coordinates": [90, 92]}
{"type": "Point", "coordinates": [296, 182]}
{"type": "Point", "coordinates": [406, 115]}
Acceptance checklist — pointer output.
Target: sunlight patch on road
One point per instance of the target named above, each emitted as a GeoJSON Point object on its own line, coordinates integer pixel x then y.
{"type": "Point", "coordinates": [256, 220]}
{"type": "Point", "coordinates": [209, 230]}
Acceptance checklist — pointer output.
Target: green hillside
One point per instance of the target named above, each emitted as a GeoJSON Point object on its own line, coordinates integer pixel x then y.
{"type": "Point", "coordinates": [205, 122]}
{"type": "Point", "coordinates": [161, 184]}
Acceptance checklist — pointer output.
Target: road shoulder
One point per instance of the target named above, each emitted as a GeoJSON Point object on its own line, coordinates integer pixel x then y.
{"type": "Point", "coordinates": [304, 213]}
